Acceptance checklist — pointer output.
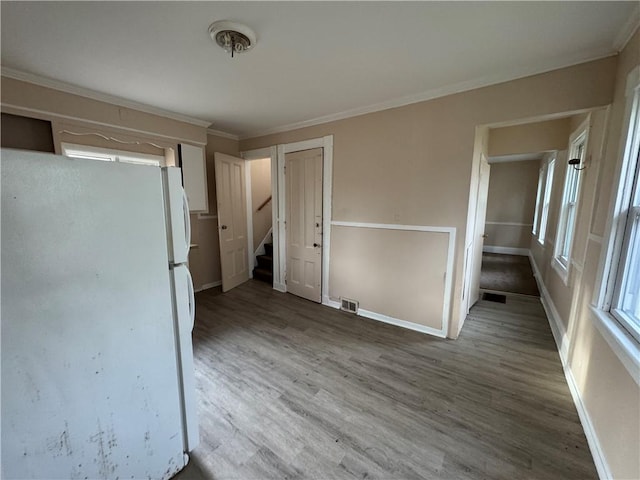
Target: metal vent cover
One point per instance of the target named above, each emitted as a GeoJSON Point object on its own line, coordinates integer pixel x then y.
{"type": "Point", "coordinates": [348, 305]}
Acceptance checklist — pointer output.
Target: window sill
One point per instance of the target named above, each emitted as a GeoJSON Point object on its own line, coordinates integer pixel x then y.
{"type": "Point", "coordinates": [621, 342]}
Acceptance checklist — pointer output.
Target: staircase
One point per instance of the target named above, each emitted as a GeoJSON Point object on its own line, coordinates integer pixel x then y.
{"type": "Point", "coordinates": [264, 270]}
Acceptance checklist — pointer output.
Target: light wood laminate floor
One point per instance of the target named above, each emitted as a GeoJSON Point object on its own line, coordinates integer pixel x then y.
{"type": "Point", "coordinates": [291, 389]}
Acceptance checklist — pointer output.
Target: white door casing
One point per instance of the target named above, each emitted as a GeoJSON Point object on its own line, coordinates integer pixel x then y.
{"type": "Point", "coordinates": [479, 235]}
{"type": "Point", "coordinates": [303, 174]}
{"type": "Point", "coordinates": [232, 220]}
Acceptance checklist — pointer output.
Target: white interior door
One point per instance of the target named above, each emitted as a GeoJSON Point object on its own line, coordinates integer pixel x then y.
{"type": "Point", "coordinates": [232, 220]}
{"type": "Point", "coordinates": [479, 235]}
{"type": "Point", "coordinates": [303, 174]}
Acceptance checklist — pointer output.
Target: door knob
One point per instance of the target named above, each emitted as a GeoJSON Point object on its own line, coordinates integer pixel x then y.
{"type": "Point", "coordinates": [317, 245]}
{"type": "Point", "coordinates": [223, 227]}
{"type": "Point", "coordinates": [485, 236]}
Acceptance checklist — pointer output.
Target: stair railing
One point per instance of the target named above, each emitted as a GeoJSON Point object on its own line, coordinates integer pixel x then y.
{"type": "Point", "coordinates": [264, 204]}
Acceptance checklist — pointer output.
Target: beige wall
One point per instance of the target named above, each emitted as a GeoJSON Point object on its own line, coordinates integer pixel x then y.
{"type": "Point", "coordinates": [74, 119]}
{"type": "Point", "coordinates": [260, 191]}
{"type": "Point", "coordinates": [368, 254]}
{"type": "Point", "coordinates": [511, 203]}
{"type": "Point", "coordinates": [608, 391]}
{"type": "Point", "coordinates": [46, 102]}
{"type": "Point", "coordinates": [562, 294]}
{"type": "Point", "coordinates": [530, 137]}
{"type": "Point", "coordinates": [512, 189]}
{"type": "Point", "coordinates": [412, 165]}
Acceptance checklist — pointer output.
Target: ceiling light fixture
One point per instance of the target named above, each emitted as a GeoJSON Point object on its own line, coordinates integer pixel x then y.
{"type": "Point", "coordinates": [232, 37]}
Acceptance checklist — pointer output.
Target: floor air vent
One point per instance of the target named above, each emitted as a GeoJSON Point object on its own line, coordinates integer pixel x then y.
{"type": "Point", "coordinates": [494, 297]}
{"type": "Point", "coordinates": [348, 305]}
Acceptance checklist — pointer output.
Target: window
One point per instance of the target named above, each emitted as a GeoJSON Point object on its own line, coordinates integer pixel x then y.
{"type": "Point", "coordinates": [626, 299]}
{"type": "Point", "coordinates": [108, 155]}
{"type": "Point", "coordinates": [546, 200]}
{"type": "Point", "coordinates": [615, 300]}
{"type": "Point", "coordinates": [536, 213]}
{"type": "Point", "coordinates": [569, 205]}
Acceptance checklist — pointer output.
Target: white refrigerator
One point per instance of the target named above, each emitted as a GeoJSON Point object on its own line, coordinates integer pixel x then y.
{"type": "Point", "coordinates": [97, 310]}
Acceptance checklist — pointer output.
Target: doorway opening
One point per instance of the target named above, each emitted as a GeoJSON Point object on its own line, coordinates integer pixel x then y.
{"type": "Point", "coordinates": [261, 177]}
{"type": "Point", "coordinates": [316, 221]}
{"type": "Point", "coordinates": [514, 200]}
{"type": "Point", "coordinates": [511, 205]}
{"type": "Point", "coordinates": [259, 218]}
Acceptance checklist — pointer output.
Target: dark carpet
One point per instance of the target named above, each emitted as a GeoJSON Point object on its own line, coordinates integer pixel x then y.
{"type": "Point", "coordinates": [508, 273]}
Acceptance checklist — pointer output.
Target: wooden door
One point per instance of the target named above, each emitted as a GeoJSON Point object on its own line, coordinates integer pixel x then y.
{"type": "Point", "coordinates": [479, 235]}
{"type": "Point", "coordinates": [232, 220]}
{"type": "Point", "coordinates": [303, 174]}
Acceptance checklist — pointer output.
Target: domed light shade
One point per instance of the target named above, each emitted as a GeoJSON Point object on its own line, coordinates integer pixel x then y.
{"type": "Point", "coordinates": [232, 37]}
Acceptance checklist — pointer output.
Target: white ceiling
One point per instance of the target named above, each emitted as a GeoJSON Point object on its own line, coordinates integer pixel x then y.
{"type": "Point", "coordinates": [313, 60]}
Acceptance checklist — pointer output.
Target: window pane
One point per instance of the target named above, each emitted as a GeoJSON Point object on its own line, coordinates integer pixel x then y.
{"type": "Point", "coordinates": [536, 213]}
{"type": "Point", "coordinates": [571, 185]}
{"type": "Point", "coordinates": [89, 156]}
{"type": "Point", "coordinates": [548, 185]}
{"type": "Point", "coordinates": [566, 222]}
{"type": "Point", "coordinates": [636, 195]}
{"type": "Point", "coordinates": [568, 233]}
{"type": "Point", "coordinates": [630, 295]}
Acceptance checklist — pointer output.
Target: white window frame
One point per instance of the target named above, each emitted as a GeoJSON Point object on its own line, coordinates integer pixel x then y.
{"type": "Point", "coordinates": [546, 199]}
{"type": "Point", "coordinates": [569, 207]}
{"type": "Point", "coordinates": [109, 155]}
{"type": "Point", "coordinates": [536, 212]}
{"type": "Point", "coordinates": [625, 345]}
{"type": "Point", "coordinates": [629, 258]}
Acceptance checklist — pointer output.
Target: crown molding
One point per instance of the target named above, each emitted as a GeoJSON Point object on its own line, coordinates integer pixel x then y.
{"type": "Point", "coordinates": [220, 133]}
{"type": "Point", "coordinates": [432, 94]}
{"type": "Point", "coordinates": [627, 30]}
{"type": "Point", "coordinates": [102, 97]}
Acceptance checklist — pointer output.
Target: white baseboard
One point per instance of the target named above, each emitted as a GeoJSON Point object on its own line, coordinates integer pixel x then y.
{"type": "Point", "coordinates": [506, 250]}
{"type": "Point", "coordinates": [402, 323]}
{"type": "Point", "coordinates": [589, 431]}
{"type": "Point", "coordinates": [206, 286]}
{"type": "Point", "coordinates": [390, 320]}
{"type": "Point", "coordinates": [557, 327]}
{"type": "Point", "coordinates": [326, 301]}
{"type": "Point", "coordinates": [562, 344]}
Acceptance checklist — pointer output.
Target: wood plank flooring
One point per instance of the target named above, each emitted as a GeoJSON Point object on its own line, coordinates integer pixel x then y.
{"type": "Point", "coordinates": [291, 389]}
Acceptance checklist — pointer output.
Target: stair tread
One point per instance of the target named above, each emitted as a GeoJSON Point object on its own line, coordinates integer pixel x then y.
{"type": "Point", "coordinates": [263, 270]}
{"type": "Point", "coordinates": [263, 275]}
